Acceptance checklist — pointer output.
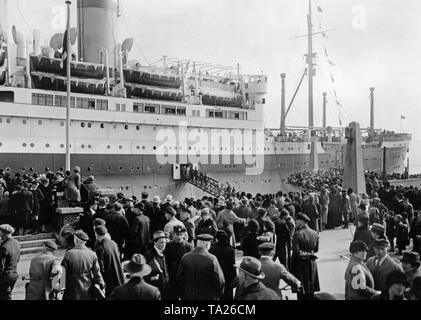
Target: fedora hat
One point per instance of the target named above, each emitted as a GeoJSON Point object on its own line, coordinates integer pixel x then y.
{"type": "Point", "coordinates": [91, 179]}
{"type": "Point", "coordinates": [252, 267]}
{"type": "Point", "coordinates": [7, 229]}
{"type": "Point", "coordinates": [159, 235]}
{"type": "Point", "coordinates": [156, 199]}
{"type": "Point", "coordinates": [137, 266]}
{"type": "Point", "coordinates": [169, 199]}
{"type": "Point", "coordinates": [411, 257]}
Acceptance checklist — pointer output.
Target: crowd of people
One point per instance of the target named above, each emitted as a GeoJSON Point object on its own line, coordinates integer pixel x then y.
{"type": "Point", "coordinates": [187, 249]}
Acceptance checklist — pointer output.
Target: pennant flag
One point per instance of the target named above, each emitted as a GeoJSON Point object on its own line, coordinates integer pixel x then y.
{"type": "Point", "coordinates": [325, 35]}
{"type": "Point", "coordinates": [336, 95]}
{"type": "Point", "coordinates": [331, 63]}
{"type": "Point", "coordinates": [319, 9]}
{"type": "Point", "coordinates": [326, 53]}
{"type": "Point", "coordinates": [339, 104]}
{"type": "Point", "coordinates": [331, 77]}
{"type": "Point", "coordinates": [403, 117]}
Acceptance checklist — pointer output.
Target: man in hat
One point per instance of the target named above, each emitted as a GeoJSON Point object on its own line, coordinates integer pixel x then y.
{"type": "Point", "coordinates": [148, 211]}
{"type": "Point", "coordinates": [226, 220]}
{"type": "Point", "coordinates": [82, 270]}
{"type": "Point", "coordinates": [206, 224]}
{"type": "Point", "coordinates": [188, 224]}
{"type": "Point", "coordinates": [310, 209]}
{"type": "Point", "coordinates": [91, 187]}
{"type": "Point", "coordinates": [200, 276]}
{"type": "Point", "coordinates": [305, 244]}
{"type": "Point", "coordinates": [109, 260]}
{"type": "Point", "coordinates": [159, 276]}
{"type": "Point", "coordinates": [170, 214]}
{"type": "Point", "coordinates": [381, 265]}
{"type": "Point", "coordinates": [136, 288]}
{"type": "Point", "coordinates": [86, 223]}
{"type": "Point", "coordinates": [117, 226]}
{"type": "Point", "coordinates": [359, 282]}
{"type": "Point", "coordinates": [24, 203]}
{"type": "Point", "coordinates": [173, 252]}
{"type": "Point", "coordinates": [9, 258]}
{"type": "Point", "coordinates": [396, 284]}
{"type": "Point", "coordinates": [41, 271]}
{"type": "Point", "coordinates": [157, 219]}
{"type": "Point", "coordinates": [250, 278]}
{"type": "Point", "coordinates": [169, 200]}
{"type": "Point", "coordinates": [139, 236]}
{"type": "Point", "coordinates": [102, 212]}
{"type": "Point", "coordinates": [411, 265]}
{"type": "Point", "coordinates": [377, 232]}
{"type": "Point", "coordinates": [275, 272]}
{"type": "Point", "coordinates": [363, 232]}
{"type": "Point", "coordinates": [226, 258]}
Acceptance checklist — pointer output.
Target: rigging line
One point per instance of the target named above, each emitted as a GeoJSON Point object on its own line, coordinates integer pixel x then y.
{"type": "Point", "coordinates": [131, 34]}
{"type": "Point", "coordinates": [23, 17]}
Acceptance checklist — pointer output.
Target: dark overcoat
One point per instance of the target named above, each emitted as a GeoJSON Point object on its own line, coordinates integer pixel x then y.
{"type": "Point", "coordinates": [82, 273]}
{"type": "Point", "coordinates": [109, 264]}
{"type": "Point", "coordinates": [200, 276]}
{"type": "Point", "coordinates": [135, 289]}
{"type": "Point", "coordinates": [226, 258]}
{"type": "Point", "coordinates": [255, 292]}
{"type": "Point", "coordinates": [305, 244]}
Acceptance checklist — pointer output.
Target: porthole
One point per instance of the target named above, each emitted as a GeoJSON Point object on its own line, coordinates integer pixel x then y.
{"type": "Point", "coordinates": [47, 145]}
{"type": "Point", "coordinates": [24, 145]}
{"type": "Point", "coordinates": [120, 147]}
{"type": "Point", "coordinates": [62, 146]}
{"type": "Point", "coordinates": [82, 124]}
{"type": "Point", "coordinates": [138, 147]}
{"type": "Point", "coordinates": [1, 144]}
{"type": "Point", "coordinates": [115, 126]}
{"type": "Point", "coordinates": [126, 127]}
{"type": "Point", "coordinates": [121, 168]}
{"type": "Point", "coordinates": [144, 148]}
{"type": "Point", "coordinates": [138, 168]}
{"type": "Point", "coordinates": [154, 148]}
{"type": "Point", "coordinates": [108, 147]}
{"type": "Point", "coordinates": [89, 125]}
{"type": "Point", "coordinates": [24, 121]}
{"type": "Point", "coordinates": [132, 169]}
{"type": "Point", "coordinates": [40, 122]}
{"type": "Point", "coordinates": [83, 146]}
{"type": "Point", "coordinates": [137, 128]}
{"type": "Point", "coordinates": [8, 120]}
{"type": "Point", "coordinates": [102, 126]}
{"type": "Point", "coordinates": [89, 147]}
{"type": "Point", "coordinates": [62, 124]}
{"type": "Point", "coordinates": [32, 145]}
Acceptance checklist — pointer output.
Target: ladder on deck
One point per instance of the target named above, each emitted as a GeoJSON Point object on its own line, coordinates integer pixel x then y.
{"type": "Point", "coordinates": [206, 184]}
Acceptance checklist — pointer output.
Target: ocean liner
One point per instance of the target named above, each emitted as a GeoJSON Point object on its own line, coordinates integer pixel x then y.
{"type": "Point", "coordinates": [134, 126]}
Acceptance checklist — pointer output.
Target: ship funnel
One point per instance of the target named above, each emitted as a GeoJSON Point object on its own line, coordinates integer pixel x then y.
{"type": "Point", "coordinates": [22, 49]}
{"type": "Point", "coordinates": [97, 22]}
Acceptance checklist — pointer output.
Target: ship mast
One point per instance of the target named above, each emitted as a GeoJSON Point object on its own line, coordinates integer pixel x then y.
{"type": "Point", "coordinates": [310, 64]}
{"type": "Point", "coordinates": [68, 59]}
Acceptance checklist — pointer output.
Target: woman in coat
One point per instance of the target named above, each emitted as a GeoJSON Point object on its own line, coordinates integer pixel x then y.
{"type": "Point", "coordinates": [73, 185]}
{"type": "Point", "coordinates": [359, 282]}
{"type": "Point", "coordinates": [226, 220]}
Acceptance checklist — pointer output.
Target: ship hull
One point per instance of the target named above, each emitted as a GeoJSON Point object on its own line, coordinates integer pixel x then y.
{"type": "Point", "coordinates": [137, 173]}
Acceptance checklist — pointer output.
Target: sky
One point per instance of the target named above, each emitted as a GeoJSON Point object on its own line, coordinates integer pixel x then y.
{"type": "Point", "coordinates": [376, 43]}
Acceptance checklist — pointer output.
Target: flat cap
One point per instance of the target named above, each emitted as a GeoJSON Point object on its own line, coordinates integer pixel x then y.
{"type": "Point", "coordinates": [267, 246]}
{"type": "Point", "coordinates": [101, 230]}
{"type": "Point", "coordinates": [81, 235]}
{"type": "Point", "coordinates": [99, 222]}
{"type": "Point", "coordinates": [358, 246]}
{"type": "Point", "coordinates": [303, 217]}
{"type": "Point", "coordinates": [378, 228]}
{"type": "Point", "coordinates": [50, 245]}
{"type": "Point", "coordinates": [204, 237]}
{"type": "Point", "coordinates": [7, 229]}
{"type": "Point", "coordinates": [381, 243]}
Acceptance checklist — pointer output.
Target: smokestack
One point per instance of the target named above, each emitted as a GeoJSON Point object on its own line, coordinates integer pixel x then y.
{"type": "Point", "coordinates": [22, 47]}
{"type": "Point", "coordinates": [324, 109]}
{"type": "Point", "coordinates": [283, 76]}
{"type": "Point", "coordinates": [372, 109]}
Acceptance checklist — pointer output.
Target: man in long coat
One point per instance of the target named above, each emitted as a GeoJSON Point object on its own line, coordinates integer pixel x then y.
{"type": "Point", "coordinates": [226, 258]}
{"type": "Point", "coordinates": [305, 244]}
{"type": "Point", "coordinates": [138, 238]}
{"type": "Point", "coordinates": [109, 260]}
{"type": "Point", "coordinates": [200, 276]}
{"type": "Point", "coordinates": [381, 265]}
{"type": "Point", "coordinates": [174, 251]}
{"type": "Point", "coordinates": [117, 226]}
{"type": "Point", "coordinates": [82, 270]}
{"type": "Point", "coordinates": [9, 259]}
{"type": "Point", "coordinates": [43, 267]}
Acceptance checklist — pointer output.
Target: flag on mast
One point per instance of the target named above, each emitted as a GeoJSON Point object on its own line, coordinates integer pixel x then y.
{"type": "Point", "coordinates": [403, 117]}
{"type": "Point", "coordinates": [319, 9]}
{"type": "Point", "coordinates": [63, 62]}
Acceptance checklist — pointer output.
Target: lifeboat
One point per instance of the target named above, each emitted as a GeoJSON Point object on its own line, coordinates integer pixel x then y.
{"type": "Point", "coordinates": [149, 77]}
{"type": "Point", "coordinates": [78, 69]}
{"type": "Point", "coordinates": [141, 91]}
{"type": "Point", "coordinates": [213, 97]}
{"type": "Point", "coordinates": [48, 81]}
